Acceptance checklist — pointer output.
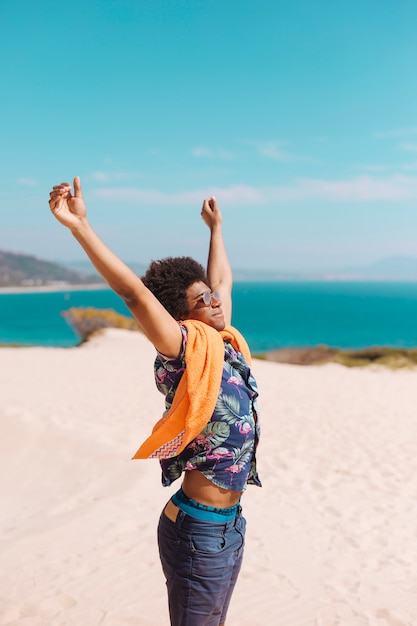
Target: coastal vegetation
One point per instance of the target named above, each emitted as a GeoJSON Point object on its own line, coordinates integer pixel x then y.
{"type": "Point", "coordinates": [87, 321]}
{"type": "Point", "coordinates": [394, 358]}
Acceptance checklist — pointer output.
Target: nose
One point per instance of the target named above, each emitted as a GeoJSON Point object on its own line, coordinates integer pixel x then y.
{"type": "Point", "coordinates": [215, 300]}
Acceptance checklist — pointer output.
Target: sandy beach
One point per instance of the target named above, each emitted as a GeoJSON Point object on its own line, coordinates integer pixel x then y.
{"type": "Point", "coordinates": [332, 535]}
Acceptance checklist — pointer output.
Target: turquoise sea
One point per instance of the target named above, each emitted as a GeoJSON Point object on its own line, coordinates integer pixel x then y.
{"type": "Point", "coordinates": [270, 315]}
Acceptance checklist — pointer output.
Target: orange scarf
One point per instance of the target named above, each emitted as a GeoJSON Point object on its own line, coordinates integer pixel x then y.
{"type": "Point", "coordinates": [197, 392]}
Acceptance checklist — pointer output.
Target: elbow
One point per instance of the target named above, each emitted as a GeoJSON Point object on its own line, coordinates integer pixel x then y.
{"type": "Point", "coordinates": [129, 296]}
{"type": "Point", "coordinates": [130, 300]}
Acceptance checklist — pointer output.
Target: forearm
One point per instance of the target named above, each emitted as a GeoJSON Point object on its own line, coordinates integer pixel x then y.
{"type": "Point", "coordinates": [116, 274]}
{"type": "Point", "coordinates": [219, 271]}
{"type": "Point", "coordinates": [158, 325]}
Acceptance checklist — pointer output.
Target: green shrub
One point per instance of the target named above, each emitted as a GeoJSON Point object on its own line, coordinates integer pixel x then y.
{"type": "Point", "coordinates": [87, 321]}
{"type": "Point", "coordinates": [394, 358]}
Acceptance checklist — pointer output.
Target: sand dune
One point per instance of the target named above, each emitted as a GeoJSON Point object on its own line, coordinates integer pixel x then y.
{"type": "Point", "coordinates": [332, 536]}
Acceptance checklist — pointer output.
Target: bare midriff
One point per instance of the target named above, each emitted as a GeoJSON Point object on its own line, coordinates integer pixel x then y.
{"type": "Point", "coordinates": [199, 488]}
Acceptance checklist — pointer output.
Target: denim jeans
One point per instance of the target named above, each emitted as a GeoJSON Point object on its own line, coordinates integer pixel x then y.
{"type": "Point", "coordinates": [201, 561]}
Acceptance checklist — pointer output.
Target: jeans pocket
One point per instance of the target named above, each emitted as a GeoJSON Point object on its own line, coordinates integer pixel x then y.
{"type": "Point", "coordinates": [207, 544]}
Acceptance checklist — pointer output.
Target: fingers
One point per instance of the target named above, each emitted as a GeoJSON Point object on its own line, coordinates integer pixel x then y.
{"type": "Point", "coordinates": [62, 186]}
{"type": "Point", "coordinates": [77, 187]}
{"type": "Point", "coordinates": [64, 189]}
{"type": "Point", "coordinates": [55, 201]}
{"type": "Point", "coordinates": [211, 212]}
{"type": "Point", "coordinates": [59, 193]}
{"type": "Point", "coordinates": [210, 204]}
{"type": "Point", "coordinates": [213, 203]}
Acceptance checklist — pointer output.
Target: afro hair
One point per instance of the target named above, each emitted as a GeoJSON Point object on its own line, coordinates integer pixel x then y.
{"type": "Point", "coordinates": [169, 279]}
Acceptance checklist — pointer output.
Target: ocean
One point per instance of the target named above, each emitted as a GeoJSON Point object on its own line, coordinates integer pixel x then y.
{"type": "Point", "coordinates": [270, 315]}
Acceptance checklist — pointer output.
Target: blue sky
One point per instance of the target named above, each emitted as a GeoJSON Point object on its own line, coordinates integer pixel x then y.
{"type": "Point", "coordinates": [301, 117]}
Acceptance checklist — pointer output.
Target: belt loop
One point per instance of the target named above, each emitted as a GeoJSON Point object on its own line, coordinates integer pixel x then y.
{"type": "Point", "coordinates": [180, 518]}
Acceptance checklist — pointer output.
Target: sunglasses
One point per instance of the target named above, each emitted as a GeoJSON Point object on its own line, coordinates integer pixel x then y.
{"type": "Point", "coordinates": [206, 299]}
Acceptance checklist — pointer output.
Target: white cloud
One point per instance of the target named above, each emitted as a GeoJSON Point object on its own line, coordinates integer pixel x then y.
{"type": "Point", "coordinates": [410, 166]}
{"type": "Point", "coordinates": [359, 189]}
{"type": "Point", "coordinates": [108, 177]}
{"type": "Point", "coordinates": [376, 168]}
{"type": "Point", "coordinates": [272, 150]}
{"type": "Point", "coordinates": [142, 196]}
{"type": "Point", "coordinates": [395, 133]}
{"type": "Point", "coordinates": [389, 167]}
{"type": "Point", "coordinates": [409, 147]}
{"type": "Point", "coordinates": [232, 195]}
{"type": "Point", "coordinates": [100, 177]}
{"type": "Point", "coordinates": [276, 150]}
{"type": "Point", "coordinates": [209, 153]}
{"type": "Point", "coordinates": [27, 182]}
{"type": "Point", "coordinates": [202, 151]}
{"type": "Point", "coordinates": [266, 149]}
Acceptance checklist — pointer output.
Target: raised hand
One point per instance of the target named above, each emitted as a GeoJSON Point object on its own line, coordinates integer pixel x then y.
{"type": "Point", "coordinates": [68, 208]}
{"type": "Point", "coordinates": [219, 272]}
{"type": "Point", "coordinates": [211, 213]}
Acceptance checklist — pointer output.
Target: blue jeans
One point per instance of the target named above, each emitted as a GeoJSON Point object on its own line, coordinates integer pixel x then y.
{"type": "Point", "coordinates": [201, 561]}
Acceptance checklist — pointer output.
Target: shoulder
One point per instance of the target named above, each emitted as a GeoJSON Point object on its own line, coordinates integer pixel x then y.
{"type": "Point", "coordinates": [166, 361]}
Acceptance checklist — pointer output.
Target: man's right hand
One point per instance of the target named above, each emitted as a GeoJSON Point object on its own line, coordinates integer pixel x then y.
{"type": "Point", "coordinates": [68, 209]}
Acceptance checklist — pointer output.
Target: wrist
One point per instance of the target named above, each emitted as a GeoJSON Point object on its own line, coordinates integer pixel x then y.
{"type": "Point", "coordinates": [216, 229]}
{"type": "Point", "coordinates": [80, 227]}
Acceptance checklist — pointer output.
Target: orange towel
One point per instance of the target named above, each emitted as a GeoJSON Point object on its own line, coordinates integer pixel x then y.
{"type": "Point", "coordinates": [197, 392]}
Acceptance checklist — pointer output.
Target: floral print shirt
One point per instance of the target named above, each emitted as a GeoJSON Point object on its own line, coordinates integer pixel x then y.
{"type": "Point", "coordinates": [224, 451]}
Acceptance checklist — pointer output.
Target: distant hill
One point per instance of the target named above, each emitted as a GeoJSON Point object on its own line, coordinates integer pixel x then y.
{"type": "Point", "coordinates": [22, 270]}
{"type": "Point", "coordinates": [393, 268]}
{"type": "Point", "coordinates": [238, 274]}
{"type": "Point", "coordinates": [389, 269]}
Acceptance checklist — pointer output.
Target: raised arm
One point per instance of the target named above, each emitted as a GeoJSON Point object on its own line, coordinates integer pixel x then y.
{"type": "Point", "coordinates": [158, 325]}
{"type": "Point", "coordinates": [219, 271]}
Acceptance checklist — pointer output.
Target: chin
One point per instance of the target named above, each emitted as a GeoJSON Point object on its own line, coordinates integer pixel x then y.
{"type": "Point", "coordinates": [219, 324]}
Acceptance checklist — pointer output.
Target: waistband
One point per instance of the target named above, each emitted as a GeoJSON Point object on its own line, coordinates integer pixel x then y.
{"type": "Point", "coordinates": [202, 511]}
